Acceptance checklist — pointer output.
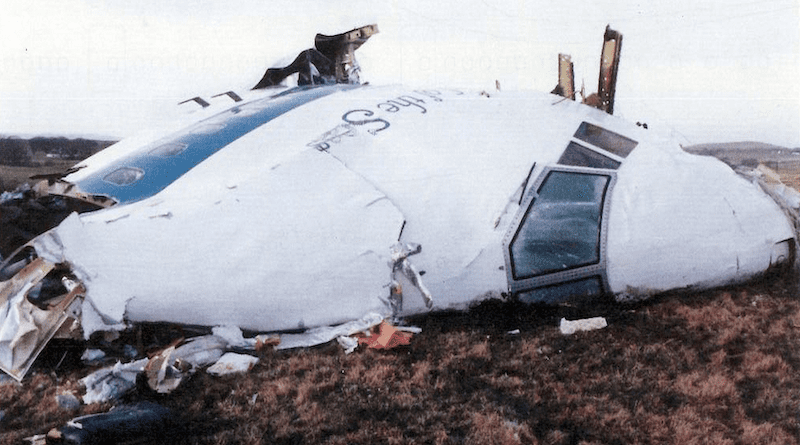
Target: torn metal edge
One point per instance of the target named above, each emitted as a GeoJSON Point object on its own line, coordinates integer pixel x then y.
{"type": "Point", "coordinates": [49, 321]}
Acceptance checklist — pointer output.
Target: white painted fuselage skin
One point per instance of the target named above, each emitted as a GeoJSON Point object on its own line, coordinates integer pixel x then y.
{"type": "Point", "coordinates": [291, 225]}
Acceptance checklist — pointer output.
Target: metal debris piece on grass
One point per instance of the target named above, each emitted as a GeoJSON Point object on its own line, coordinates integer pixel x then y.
{"type": "Point", "coordinates": [112, 382]}
{"type": "Point", "coordinates": [26, 328]}
{"type": "Point", "coordinates": [385, 336]}
{"type": "Point", "coordinates": [141, 422]}
{"type": "Point", "coordinates": [569, 327]}
{"type": "Point", "coordinates": [232, 363]}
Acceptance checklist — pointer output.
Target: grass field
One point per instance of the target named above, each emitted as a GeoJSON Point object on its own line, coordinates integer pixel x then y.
{"type": "Point", "coordinates": [716, 367]}
{"type": "Point", "coordinates": [11, 177]}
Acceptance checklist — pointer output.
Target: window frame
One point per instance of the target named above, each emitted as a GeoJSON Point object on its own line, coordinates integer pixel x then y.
{"type": "Point", "coordinates": [590, 149]}
{"type": "Point", "coordinates": [587, 127]}
{"type": "Point", "coordinates": [517, 285]}
{"type": "Point", "coordinates": [138, 172]}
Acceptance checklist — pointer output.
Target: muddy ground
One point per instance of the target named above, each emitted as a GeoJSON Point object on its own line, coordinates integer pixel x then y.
{"type": "Point", "coordinates": [715, 367]}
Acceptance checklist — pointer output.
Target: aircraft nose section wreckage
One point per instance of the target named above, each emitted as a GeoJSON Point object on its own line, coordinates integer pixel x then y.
{"type": "Point", "coordinates": [312, 205]}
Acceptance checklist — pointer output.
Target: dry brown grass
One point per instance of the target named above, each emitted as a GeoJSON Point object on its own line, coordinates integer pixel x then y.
{"type": "Point", "coordinates": [714, 367]}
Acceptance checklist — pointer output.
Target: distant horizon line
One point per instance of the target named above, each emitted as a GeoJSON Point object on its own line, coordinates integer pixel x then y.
{"type": "Point", "coordinates": [108, 138]}
{"type": "Point", "coordinates": [55, 135]}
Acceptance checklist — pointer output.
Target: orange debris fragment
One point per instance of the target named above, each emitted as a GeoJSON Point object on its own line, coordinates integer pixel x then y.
{"type": "Point", "coordinates": [385, 336]}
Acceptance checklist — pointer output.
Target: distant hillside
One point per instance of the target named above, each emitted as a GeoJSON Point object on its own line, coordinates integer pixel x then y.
{"type": "Point", "coordinates": [748, 153]}
{"type": "Point", "coordinates": [21, 158]}
{"type": "Point", "coordinates": [785, 161]}
{"type": "Point", "coordinates": [23, 152]}
{"type": "Point", "coordinates": [744, 145]}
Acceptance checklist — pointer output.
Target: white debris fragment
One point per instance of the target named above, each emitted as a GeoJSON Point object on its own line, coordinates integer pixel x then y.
{"type": "Point", "coordinates": [514, 332]}
{"type": "Point", "coordinates": [19, 193]}
{"type": "Point", "coordinates": [111, 382]}
{"type": "Point", "coordinates": [325, 334]}
{"type": "Point", "coordinates": [171, 366]}
{"type": "Point", "coordinates": [569, 327]}
{"type": "Point", "coordinates": [201, 351]}
{"type": "Point", "coordinates": [162, 375]}
{"type": "Point", "coordinates": [348, 343]}
{"type": "Point", "coordinates": [411, 329]}
{"type": "Point", "coordinates": [233, 335]}
{"type": "Point", "coordinates": [232, 363]}
{"type": "Point", "coordinates": [91, 356]}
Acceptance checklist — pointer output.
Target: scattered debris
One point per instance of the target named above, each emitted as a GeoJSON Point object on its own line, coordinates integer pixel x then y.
{"type": "Point", "coordinates": [168, 368]}
{"type": "Point", "coordinates": [386, 336]}
{"type": "Point", "coordinates": [265, 340]}
{"type": "Point", "coordinates": [93, 356]}
{"type": "Point", "coordinates": [140, 422]}
{"type": "Point", "coordinates": [233, 336]}
{"type": "Point", "coordinates": [232, 363]}
{"type": "Point", "coordinates": [17, 194]}
{"type": "Point", "coordinates": [324, 334]}
{"type": "Point", "coordinates": [164, 375]}
{"type": "Point", "coordinates": [349, 344]}
{"type": "Point", "coordinates": [772, 181]}
{"type": "Point", "coordinates": [569, 327]}
{"type": "Point", "coordinates": [68, 401]}
{"type": "Point", "coordinates": [201, 351]}
{"type": "Point", "coordinates": [24, 214]}
{"type": "Point", "coordinates": [111, 382]}
{"type": "Point", "coordinates": [26, 327]}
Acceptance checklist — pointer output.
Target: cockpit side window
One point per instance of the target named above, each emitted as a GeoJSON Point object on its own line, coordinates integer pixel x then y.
{"type": "Point", "coordinates": [555, 246]}
{"type": "Point", "coordinates": [561, 228]}
{"type": "Point", "coordinates": [582, 290]}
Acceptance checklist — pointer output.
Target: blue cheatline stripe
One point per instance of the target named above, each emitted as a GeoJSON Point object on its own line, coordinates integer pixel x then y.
{"type": "Point", "coordinates": [201, 140]}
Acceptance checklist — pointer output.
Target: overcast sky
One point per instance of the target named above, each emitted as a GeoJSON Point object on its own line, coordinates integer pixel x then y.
{"type": "Point", "coordinates": [707, 71]}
